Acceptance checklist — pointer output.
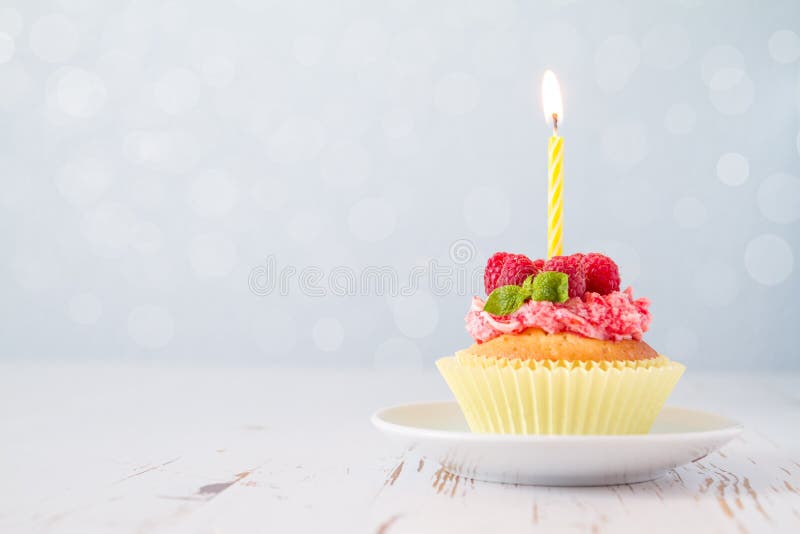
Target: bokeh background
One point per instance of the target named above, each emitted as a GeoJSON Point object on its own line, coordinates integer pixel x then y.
{"type": "Point", "coordinates": [154, 153]}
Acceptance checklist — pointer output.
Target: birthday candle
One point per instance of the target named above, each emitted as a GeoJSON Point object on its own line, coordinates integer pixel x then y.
{"type": "Point", "coordinates": [554, 113]}
{"type": "Point", "coordinates": [555, 195]}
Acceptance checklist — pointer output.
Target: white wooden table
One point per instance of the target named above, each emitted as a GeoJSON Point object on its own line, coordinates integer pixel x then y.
{"type": "Point", "coordinates": [113, 448]}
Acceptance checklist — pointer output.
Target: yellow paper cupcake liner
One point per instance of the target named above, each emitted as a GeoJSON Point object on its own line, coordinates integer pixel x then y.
{"type": "Point", "coordinates": [512, 396]}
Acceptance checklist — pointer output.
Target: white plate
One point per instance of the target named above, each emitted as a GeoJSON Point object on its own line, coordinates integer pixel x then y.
{"type": "Point", "coordinates": [438, 430]}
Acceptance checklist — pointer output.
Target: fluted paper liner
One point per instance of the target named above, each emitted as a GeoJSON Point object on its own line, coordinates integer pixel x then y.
{"type": "Point", "coordinates": [512, 396]}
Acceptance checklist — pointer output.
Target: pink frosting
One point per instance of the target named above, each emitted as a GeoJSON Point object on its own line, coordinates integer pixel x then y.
{"type": "Point", "coordinates": [614, 316]}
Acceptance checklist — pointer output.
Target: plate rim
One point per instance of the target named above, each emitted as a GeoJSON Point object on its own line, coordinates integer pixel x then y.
{"type": "Point", "coordinates": [734, 428]}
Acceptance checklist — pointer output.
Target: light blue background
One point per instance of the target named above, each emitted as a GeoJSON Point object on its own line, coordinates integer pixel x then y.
{"type": "Point", "coordinates": [154, 153]}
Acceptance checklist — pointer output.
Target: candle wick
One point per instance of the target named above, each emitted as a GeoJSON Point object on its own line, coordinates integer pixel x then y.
{"type": "Point", "coordinates": [555, 124]}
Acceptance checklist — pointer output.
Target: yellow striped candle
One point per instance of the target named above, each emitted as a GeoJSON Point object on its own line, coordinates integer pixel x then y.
{"type": "Point", "coordinates": [553, 114]}
{"type": "Point", "coordinates": [555, 189]}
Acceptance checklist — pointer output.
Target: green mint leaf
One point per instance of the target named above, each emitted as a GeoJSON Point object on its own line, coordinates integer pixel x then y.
{"type": "Point", "coordinates": [552, 286]}
{"type": "Point", "coordinates": [527, 287]}
{"type": "Point", "coordinates": [505, 300]}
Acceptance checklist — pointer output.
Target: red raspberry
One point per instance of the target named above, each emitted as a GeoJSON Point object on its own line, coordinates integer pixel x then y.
{"type": "Point", "coordinates": [494, 268]}
{"type": "Point", "coordinates": [572, 266]}
{"type": "Point", "coordinates": [504, 269]}
{"type": "Point", "coordinates": [602, 274]}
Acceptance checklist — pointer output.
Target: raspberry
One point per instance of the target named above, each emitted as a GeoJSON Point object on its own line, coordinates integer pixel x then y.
{"type": "Point", "coordinates": [504, 269]}
{"type": "Point", "coordinates": [602, 274]}
{"type": "Point", "coordinates": [494, 268]}
{"type": "Point", "coordinates": [572, 266]}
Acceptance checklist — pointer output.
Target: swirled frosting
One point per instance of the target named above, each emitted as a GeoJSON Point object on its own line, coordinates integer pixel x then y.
{"type": "Point", "coordinates": [615, 316]}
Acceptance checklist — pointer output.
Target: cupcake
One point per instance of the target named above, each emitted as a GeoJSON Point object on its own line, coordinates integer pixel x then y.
{"type": "Point", "coordinates": [558, 350]}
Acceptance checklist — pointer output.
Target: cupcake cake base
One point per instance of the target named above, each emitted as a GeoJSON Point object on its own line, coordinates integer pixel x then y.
{"type": "Point", "coordinates": [527, 396]}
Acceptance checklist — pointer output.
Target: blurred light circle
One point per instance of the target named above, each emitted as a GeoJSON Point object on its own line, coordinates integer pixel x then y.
{"type": "Point", "coordinates": [666, 46]}
{"type": "Point", "coordinates": [726, 79]}
{"type": "Point", "coordinates": [308, 49]}
{"type": "Point", "coordinates": [274, 331]}
{"type": "Point", "coordinates": [177, 91]}
{"type": "Point", "coordinates": [218, 70]}
{"type": "Point", "coordinates": [722, 67]}
{"type": "Point", "coordinates": [213, 193]}
{"type": "Point", "coordinates": [690, 212]}
{"type": "Point", "coordinates": [82, 181]}
{"type": "Point", "coordinates": [363, 42]}
{"type": "Point", "coordinates": [484, 200]}
{"type": "Point", "coordinates": [15, 83]}
{"type": "Point", "coordinates": [328, 334]}
{"type": "Point", "coordinates": [372, 219]}
{"type": "Point", "coordinates": [733, 169]}
{"type": "Point", "coordinates": [151, 327]}
{"type": "Point", "coordinates": [54, 38]}
{"type": "Point", "coordinates": [768, 259]}
{"type": "Point", "coordinates": [173, 16]}
{"type": "Point", "coordinates": [109, 228]}
{"type": "Point", "coordinates": [6, 47]}
{"type": "Point", "coordinates": [80, 93]}
{"type": "Point", "coordinates": [148, 238]}
{"type": "Point", "coordinates": [253, 5]}
{"type": "Point", "coordinates": [398, 354]}
{"type": "Point", "coordinates": [149, 270]}
{"type": "Point", "coordinates": [734, 99]}
{"type": "Point", "coordinates": [784, 46]}
{"type": "Point", "coordinates": [497, 53]}
{"type": "Point", "coordinates": [304, 226]}
{"type": "Point", "coordinates": [11, 21]}
{"type": "Point", "coordinates": [35, 270]}
{"type": "Point", "coordinates": [345, 164]}
{"type": "Point", "coordinates": [271, 194]}
{"type": "Point", "coordinates": [456, 93]}
{"type": "Point", "coordinates": [779, 198]}
{"type": "Point", "coordinates": [414, 51]}
{"type": "Point", "coordinates": [681, 343]}
{"type": "Point", "coordinates": [679, 119]}
{"type": "Point", "coordinates": [397, 123]}
{"type": "Point", "coordinates": [140, 17]}
{"type": "Point", "coordinates": [416, 316]}
{"type": "Point", "coordinates": [297, 138]}
{"type": "Point", "coordinates": [351, 111]}
{"type": "Point", "coordinates": [647, 208]}
{"type": "Point", "coordinates": [716, 284]}
{"type": "Point", "coordinates": [212, 255]}
{"type": "Point", "coordinates": [615, 61]}
{"type": "Point", "coordinates": [496, 13]}
{"type": "Point", "coordinates": [85, 309]}
{"type": "Point", "coordinates": [624, 143]}
{"type": "Point", "coordinates": [404, 147]}
{"type": "Point", "coordinates": [172, 151]}
{"type": "Point", "coordinates": [18, 189]}
{"type": "Point", "coordinates": [567, 37]}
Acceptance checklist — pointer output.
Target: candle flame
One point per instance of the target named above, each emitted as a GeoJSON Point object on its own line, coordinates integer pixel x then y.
{"type": "Point", "coordinates": [551, 99]}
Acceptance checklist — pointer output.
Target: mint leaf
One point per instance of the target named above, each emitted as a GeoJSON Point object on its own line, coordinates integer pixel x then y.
{"type": "Point", "coordinates": [550, 285]}
{"type": "Point", "coordinates": [527, 287]}
{"type": "Point", "coordinates": [505, 300]}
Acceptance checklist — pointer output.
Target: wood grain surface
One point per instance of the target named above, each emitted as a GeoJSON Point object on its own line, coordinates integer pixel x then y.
{"type": "Point", "coordinates": [149, 448]}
